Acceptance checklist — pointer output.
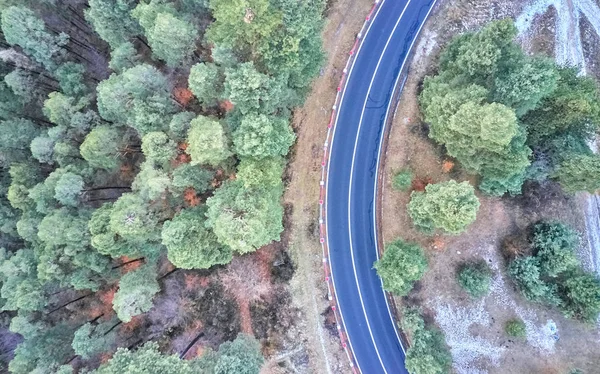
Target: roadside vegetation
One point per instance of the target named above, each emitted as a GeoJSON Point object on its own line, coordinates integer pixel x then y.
{"type": "Point", "coordinates": [142, 147]}
{"type": "Point", "coordinates": [504, 126]}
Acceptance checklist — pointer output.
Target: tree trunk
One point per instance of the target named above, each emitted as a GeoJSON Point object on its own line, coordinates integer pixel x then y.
{"type": "Point", "coordinates": [185, 351]}
{"type": "Point", "coordinates": [69, 303]}
{"type": "Point", "coordinates": [129, 262]}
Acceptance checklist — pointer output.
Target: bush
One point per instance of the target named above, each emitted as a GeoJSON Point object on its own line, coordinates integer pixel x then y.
{"type": "Point", "coordinates": [402, 264]}
{"type": "Point", "coordinates": [515, 328]}
{"type": "Point", "coordinates": [427, 353]}
{"type": "Point", "coordinates": [403, 180]}
{"type": "Point", "coordinates": [449, 206]}
{"type": "Point", "coordinates": [475, 278]}
{"type": "Point", "coordinates": [554, 245]}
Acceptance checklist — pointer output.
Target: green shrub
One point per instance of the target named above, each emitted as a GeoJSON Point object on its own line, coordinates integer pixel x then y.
{"type": "Point", "coordinates": [427, 353]}
{"type": "Point", "coordinates": [515, 328]}
{"type": "Point", "coordinates": [403, 180]}
{"type": "Point", "coordinates": [475, 278]}
{"type": "Point", "coordinates": [402, 264]}
{"type": "Point", "coordinates": [449, 206]}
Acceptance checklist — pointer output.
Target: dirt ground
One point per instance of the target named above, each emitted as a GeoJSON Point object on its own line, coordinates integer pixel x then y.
{"type": "Point", "coordinates": [475, 329]}
{"type": "Point", "coordinates": [309, 294]}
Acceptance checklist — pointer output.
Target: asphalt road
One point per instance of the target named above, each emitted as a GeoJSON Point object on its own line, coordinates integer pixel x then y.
{"type": "Point", "coordinates": [352, 184]}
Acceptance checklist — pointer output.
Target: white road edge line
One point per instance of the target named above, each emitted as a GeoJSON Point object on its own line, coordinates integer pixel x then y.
{"type": "Point", "coordinates": [378, 163]}
{"type": "Point", "coordinates": [364, 37]}
{"type": "Point", "coordinates": [351, 176]}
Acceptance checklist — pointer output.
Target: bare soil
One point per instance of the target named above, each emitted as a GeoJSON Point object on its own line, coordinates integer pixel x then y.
{"type": "Point", "coordinates": [475, 329]}
{"type": "Point", "coordinates": [308, 289]}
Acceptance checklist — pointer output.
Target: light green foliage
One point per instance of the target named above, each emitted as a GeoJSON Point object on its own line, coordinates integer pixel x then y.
{"type": "Point", "coordinates": [123, 57]}
{"type": "Point", "coordinates": [264, 173]}
{"type": "Point", "coordinates": [23, 84]}
{"type": "Point", "coordinates": [242, 25]}
{"type": "Point", "coordinates": [71, 77]}
{"type": "Point", "coordinates": [92, 339]}
{"type": "Point", "coordinates": [449, 206]}
{"type": "Point", "coordinates": [21, 289]}
{"type": "Point", "coordinates": [132, 219]}
{"type": "Point", "coordinates": [151, 182]}
{"type": "Point", "coordinates": [60, 108]}
{"type": "Point", "coordinates": [403, 263]}
{"type": "Point", "coordinates": [42, 148]}
{"type": "Point", "coordinates": [172, 38]}
{"type": "Point", "coordinates": [65, 254]}
{"type": "Point", "coordinates": [68, 189]}
{"type": "Point", "coordinates": [243, 218]}
{"type": "Point", "coordinates": [22, 27]}
{"type": "Point", "coordinates": [101, 147]}
{"type": "Point", "coordinates": [515, 328]}
{"type": "Point", "coordinates": [190, 244]}
{"type": "Point", "coordinates": [206, 82]}
{"type": "Point", "coordinates": [191, 176]}
{"type": "Point", "coordinates": [260, 136]}
{"type": "Point", "coordinates": [207, 142]}
{"type": "Point", "coordinates": [147, 93]}
{"type": "Point", "coordinates": [554, 245]}
{"type": "Point", "coordinates": [147, 359]}
{"type": "Point", "coordinates": [111, 19]}
{"type": "Point", "coordinates": [475, 278]}
{"type": "Point", "coordinates": [158, 148]}
{"type": "Point", "coordinates": [403, 180]}
{"type": "Point", "coordinates": [15, 137]}
{"type": "Point", "coordinates": [427, 353]}
{"type": "Point", "coordinates": [579, 172]}
{"type": "Point", "coordinates": [136, 291]}
{"type": "Point", "coordinates": [241, 356]}
{"type": "Point", "coordinates": [249, 90]}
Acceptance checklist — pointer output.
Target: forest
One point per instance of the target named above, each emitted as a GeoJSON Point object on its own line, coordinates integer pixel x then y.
{"type": "Point", "coordinates": [142, 148]}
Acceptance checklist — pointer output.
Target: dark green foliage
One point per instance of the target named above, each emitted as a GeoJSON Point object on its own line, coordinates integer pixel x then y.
{"type": "Point", "coordinates": [427, 353]}
{"type": "Point", "coordinates": [260, 136]}
{"type": "Point", "coordinates": [123, 57]}
{"type": "Point", "coordinates": [554, 244]}
{"type": "Point", "coordinates": [191, 176]}
{"type": "Point", "coordinates": [112, 20]}
{"type": "Point", "coordinates": [554, 275]}
{"type": "Point", "coordinates": [515, 328]}
{"type": "Point", "coordinates": [171, 37]}
{"type": "Point", "coordinates": [403, 180]}
{"type": "Point", "coordinates": [21, 289]}
{"type": "Point", "coordinates": [206, 82]}
{"type": "Point", "coordinates": [133, 220]}
{"type": "Point", "coordinates": [449, 206]}
{"type": "Point", "coordinates": [92, 339]}
{"type": "Point", "coordinates": [402, 264]}
{"type": "Point", "coordinates": [475, 278]}
{"type": "Point", "coordinates": [241, 356]}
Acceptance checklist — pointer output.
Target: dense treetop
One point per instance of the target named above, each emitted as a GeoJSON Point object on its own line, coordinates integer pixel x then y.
{"type": "Point", "coordinates": [138, 138]}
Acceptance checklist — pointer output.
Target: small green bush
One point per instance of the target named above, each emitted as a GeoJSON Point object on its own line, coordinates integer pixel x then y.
{"type": "Point", "coordinates": [403, 180]}
{"type": "Point", "coordinates": [515, 328]}
{"type": "Point", "coordinates": [475, 278]}
{"type": "Point", "coordinates": [402, 264]}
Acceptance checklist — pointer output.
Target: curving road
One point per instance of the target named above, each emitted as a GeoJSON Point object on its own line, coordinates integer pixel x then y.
{"type": "Point", "coordinates": [352, 184]}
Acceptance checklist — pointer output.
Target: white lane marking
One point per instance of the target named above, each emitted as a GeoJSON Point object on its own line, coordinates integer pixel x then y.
{"type": "Point", "coordinates": [377, 169]}
{"type": "Point", "coordinates": [351, 175]}
{"type": "Point", "coordinates": [364, 37]}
